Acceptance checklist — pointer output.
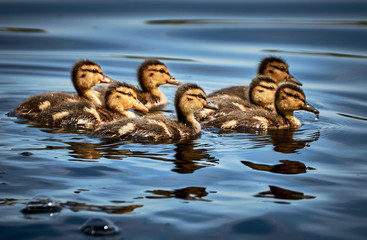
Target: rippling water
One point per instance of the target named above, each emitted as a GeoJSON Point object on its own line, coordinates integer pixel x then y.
{"type": "Point", "coordinates": [304, 184]}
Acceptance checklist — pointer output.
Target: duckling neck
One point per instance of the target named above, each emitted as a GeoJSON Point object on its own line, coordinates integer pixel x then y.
{"type": "Point", "coordinates": [92, 96]}
{"type": "Point", "coordinates": [292, 120]}
{"type": "Point", "coordinates": [190, 120]}
{"type": "Point", "coordinates": [124, 112]}
{"type": "Point", "coordinates": [157, 93]}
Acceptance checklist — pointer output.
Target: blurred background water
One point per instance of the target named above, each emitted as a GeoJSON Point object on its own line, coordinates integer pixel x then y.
{"type": "Point", "coordinates": [304, 184]}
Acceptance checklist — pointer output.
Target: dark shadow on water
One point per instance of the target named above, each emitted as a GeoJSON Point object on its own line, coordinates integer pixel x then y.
{"type": "Point", "coordinates": [79, 206]}
{"type": "Point", "coordinates": [188, 193]}
{"type": "Point", "coordinates": [282, 193]}
{"type": "Point", "coordinates": [22, 30]}
{"type": "Point", "coordinates": [286, 167]}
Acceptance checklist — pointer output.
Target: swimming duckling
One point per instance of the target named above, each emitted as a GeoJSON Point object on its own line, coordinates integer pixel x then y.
{"type": "Point", "coordinates": [288, 98]}
{"type": "Point", "coordinates": [260, 94]}
{"type": "Point", "coordinates": [273, 67]}
{"type": "Point", "coordinates": [188, 99]}
{"type": "Point", "coordinates": [119, 98]}
{"type": "Point", "coordinates": [85, 74]}
{"type": "Point", "coordinates": [151, 75]}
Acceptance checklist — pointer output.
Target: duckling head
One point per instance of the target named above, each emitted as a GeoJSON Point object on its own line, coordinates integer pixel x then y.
{"type": "Point", "coordinates": [85, 74]}
{"type": "Point", "coordinates": [290, 98]}
{"type": "Point", "coordinates": [262, 91]}
{"type": "Point", "coordinates": [188, 99]}
{"type": "Point", "coordinates": [152, 74]}
{"type": "Point", "coordinates": [122, 96]}
{"type": "Point", "coordinates": [277, 69]}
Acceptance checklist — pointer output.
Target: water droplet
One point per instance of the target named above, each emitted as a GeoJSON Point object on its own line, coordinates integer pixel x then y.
{"type": "Point", "coordinates": [99, 227]}
{"type": "Point", "coordinates": [317, 117]}
{"type": "Point", "coordinates": [41, 204]}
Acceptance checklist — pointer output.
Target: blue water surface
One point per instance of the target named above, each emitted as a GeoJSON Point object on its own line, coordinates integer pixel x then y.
{"type": "Point", "coordinates": [307, 183]}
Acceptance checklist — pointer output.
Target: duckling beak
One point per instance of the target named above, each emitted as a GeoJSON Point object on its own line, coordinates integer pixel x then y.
{"type": "Point", "coordinates": [173, 81]}
{"type": "Point", "coordinates": [308, 107]}
{"type": "Point", "coordinates": [139, 106]}
{"type": "Point", "coordinates": [210, 105]}
{"type": "Point", "coordinates": [295, 81]}
{"type": "Point", "coordinates": [106, 79]}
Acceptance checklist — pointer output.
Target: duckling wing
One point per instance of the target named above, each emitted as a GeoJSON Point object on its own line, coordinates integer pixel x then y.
{"type": "Point", "coordinates": [72, 116]}
{"type": "Point", "coordinates": [236, 91]}
{"type": "Point", "coordinates": [33, 105]}
{"type": "Point", "coordinates": [146, 129]}
{"type": "Point", "coordinates": [246, 120]}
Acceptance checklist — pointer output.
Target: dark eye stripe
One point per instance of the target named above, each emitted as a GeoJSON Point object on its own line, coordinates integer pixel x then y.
{"type": "Point", "coordinates": [294, 95]}
{"type": "Point", "coordinates": [197, 95]}
{"type": "Point", "coordinates": [270, 88]}
{"type": "Point", "coordinates": [125, 93]}
{"type": "Point", "coordinates": [280, 68]}
{"type": "Point", "coordinates": [92, 71]}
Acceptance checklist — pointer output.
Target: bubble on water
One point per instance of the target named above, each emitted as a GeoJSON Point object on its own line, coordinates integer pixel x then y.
{"type": "Point", "coordinates": [99, 227]}
{"type": "Point", "coordinates": [41, 204]}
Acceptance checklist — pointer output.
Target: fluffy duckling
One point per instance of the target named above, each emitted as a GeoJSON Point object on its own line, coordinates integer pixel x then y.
{"type": "Point", "coordinates": [188, 99]}
{"type": "Point", "coordinates": [260, 94]}
{"type": "Point", "coordinates": [273, 67]}
{"type": "Point", "coordinates": [119, 98]}
{"type": "Point", "coordinates": [151, 75]}
{"type": "Point", "coordinates": [85, 74]}
{"type": "Point", "coordinates": [288, 98]}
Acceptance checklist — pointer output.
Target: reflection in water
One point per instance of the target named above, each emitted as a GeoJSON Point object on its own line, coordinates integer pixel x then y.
{"type": "Point", "coordinates": [282, 193]}
{"type": "Point", "coordinates": [77, 206]}
{"type": "Point", "coordinates": [189, 159]}
{"type": "Point", "coordinates": [286, 167]}
{"type": "Point", "coordinates": [285, 141]}
{"type": "Point", "coordinates": [188, 193]}
{"type": "Point", "coordinates": [22, 30]}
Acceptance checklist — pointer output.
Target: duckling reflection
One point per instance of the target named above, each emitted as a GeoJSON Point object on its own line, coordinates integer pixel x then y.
{"type": "Point", "coordinates": [188, 99]}
{"type": "Point", "coordinates": [286, 167]}
{"type": "Point", "coordinates": [188, 159]}
{"type": "Point", "coordinates": [85, 74]}
{"type": "Point", "coordinates": [188, 193]}
{"type": "Point", "coordinates": [290, 141]}
{"type": "Point", "coordinates": [288, 98]}
{"type": "Point", "coordinates": [78, 206]}
{"type": "Point", "coordinates": [282, 193]}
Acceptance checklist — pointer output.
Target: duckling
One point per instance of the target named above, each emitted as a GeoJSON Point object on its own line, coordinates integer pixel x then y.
{"type": "Point", "coordinates": [188, 99]}
{"type": "Point", "coordinates": [230, 98]}
{"type": "Point", "coordinates": [119, 98]}
{"type": "Point", "coordinates": [151, 75]}
{"type": "Point", "coordinates": [260, 94]}
{"type": "Point", "coordinates": [273, 67]}
{"type": "Point", "coordinates": [288, 98]}
{"type": "Point", "coordinates": [85, 74]}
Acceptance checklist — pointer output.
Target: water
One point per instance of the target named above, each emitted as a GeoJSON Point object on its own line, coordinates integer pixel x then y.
{"type": "Point", "coordinates": [305, 184]}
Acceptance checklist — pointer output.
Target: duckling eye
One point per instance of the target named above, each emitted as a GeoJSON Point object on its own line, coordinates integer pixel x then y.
{"type": "Point", "coordinates": [296, 96]}
{"type": "Point", "coordinates": [162, 70]}
{"type": "Point", "coordinates": [129, 94]}
{"type": "Point", "coordinates": [95, 70]}
{"type": "Point", "coordinates": [282, 69]}
{"type": "Point", "coordinates": [271, 88]}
